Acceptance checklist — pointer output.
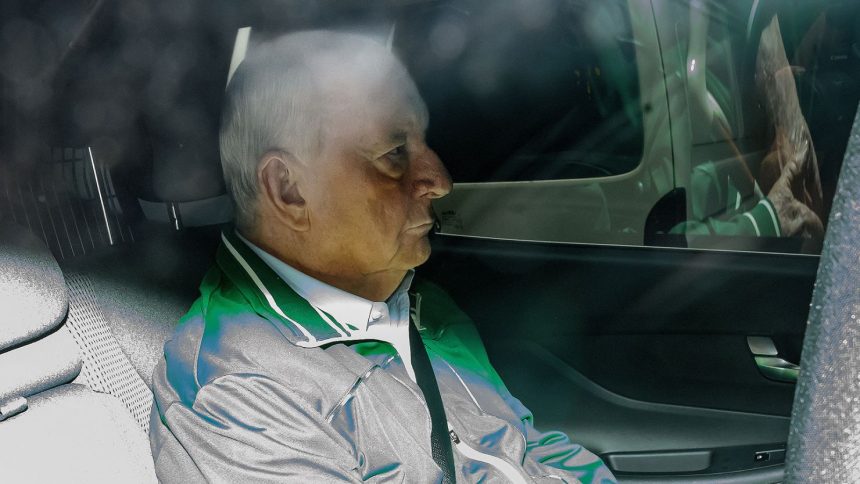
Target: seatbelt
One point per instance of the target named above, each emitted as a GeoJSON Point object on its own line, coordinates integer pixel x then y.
{"type": "Point", "coordinates": [439, 441]}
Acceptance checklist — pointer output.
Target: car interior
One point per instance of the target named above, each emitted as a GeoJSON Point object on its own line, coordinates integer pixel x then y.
{"type": "Point", "coordinates": [672, 364]}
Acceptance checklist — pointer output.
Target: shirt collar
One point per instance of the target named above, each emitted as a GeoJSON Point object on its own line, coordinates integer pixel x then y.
{"type": "Point", "coordinates": [346, 308]}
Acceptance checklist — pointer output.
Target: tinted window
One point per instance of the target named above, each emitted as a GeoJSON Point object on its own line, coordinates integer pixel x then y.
{"type": "Point", "coordinates": [527, 90]}
{"type": "Point", "coordinates": [744, 154]}
{"type": "Point", "coordinates": [774, 86]}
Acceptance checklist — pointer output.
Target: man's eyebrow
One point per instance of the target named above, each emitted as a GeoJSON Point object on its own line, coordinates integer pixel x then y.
{"type": "Point", "coordinates": [385, 143]}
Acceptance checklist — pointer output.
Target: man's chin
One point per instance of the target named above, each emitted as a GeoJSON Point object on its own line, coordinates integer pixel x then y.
{"type": "Point", "coordinates": [417, 254]}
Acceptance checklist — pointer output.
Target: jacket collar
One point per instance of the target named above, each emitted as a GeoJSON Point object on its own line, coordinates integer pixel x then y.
{"type": "Point", "coordinates": [354, 312]}
{"type": "Point", "coordinates": [270, 295]}
{"type": "Point", "coordinates": [283, 298]}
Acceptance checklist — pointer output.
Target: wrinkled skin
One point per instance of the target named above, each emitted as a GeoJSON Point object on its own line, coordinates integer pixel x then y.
{"type": "Point", "coordinates": [358, 214]}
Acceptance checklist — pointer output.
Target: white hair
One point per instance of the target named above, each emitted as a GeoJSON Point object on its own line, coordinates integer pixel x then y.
{"type": "Point", "coordinates": [273, 102]}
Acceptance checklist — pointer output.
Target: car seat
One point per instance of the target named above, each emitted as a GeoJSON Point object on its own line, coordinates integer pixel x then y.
{"type": "Point", "coordinates": [51, 428]}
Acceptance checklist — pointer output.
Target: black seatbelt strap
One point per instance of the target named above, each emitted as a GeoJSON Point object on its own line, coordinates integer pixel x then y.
{"type": "Point", "coordinates": [426, 380]}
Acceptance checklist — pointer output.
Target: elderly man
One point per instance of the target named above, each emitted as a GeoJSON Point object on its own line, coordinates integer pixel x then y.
{"type": "Point", "coordinates": [299, 360]}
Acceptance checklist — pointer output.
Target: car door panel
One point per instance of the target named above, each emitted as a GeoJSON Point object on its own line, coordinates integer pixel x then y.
{"type": "Point", "coordinates": [636, 350]}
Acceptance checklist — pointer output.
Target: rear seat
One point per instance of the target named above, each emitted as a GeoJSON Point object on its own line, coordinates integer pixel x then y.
{"type": "Point", "coordinates": [53, 430]}
{"type": "Point", "coordinates": [92, 330]}
{"type": "Point", "coordinates": [141, 290]}
{"type": "Point", "coordinates": [75, 370]}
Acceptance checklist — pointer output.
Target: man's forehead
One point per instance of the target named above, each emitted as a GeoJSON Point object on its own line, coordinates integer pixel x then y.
{"type": "Point", "coordinates": [359, 87]}
{"type": "Point", "coordinates": [384, 95]}
{"type": "Point", "coordinates": [401, 105]}
{"type": "Point", "coordinates": [386, 116]}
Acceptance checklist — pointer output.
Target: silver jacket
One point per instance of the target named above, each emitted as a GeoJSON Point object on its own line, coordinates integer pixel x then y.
{"type": "Point", "coordinates": [256, 386]}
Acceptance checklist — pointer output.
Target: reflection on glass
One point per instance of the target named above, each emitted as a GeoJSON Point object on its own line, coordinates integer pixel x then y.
{"type": "Point", "coordinates": [785, 198]}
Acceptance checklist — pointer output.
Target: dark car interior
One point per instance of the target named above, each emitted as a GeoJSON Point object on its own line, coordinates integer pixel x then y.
{"type": "Point", "coordinates": [112, 201]}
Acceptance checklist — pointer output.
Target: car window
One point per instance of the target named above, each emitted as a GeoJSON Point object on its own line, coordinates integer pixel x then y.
{"type": "Point", "coordinates": [759, 99]}
{"type": "Point", "coordinates": [759, 103]}
{"type": "Point", "coordinates": [521, 91]}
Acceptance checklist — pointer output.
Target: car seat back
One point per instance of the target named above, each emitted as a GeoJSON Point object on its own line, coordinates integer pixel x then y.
{"type": "Point", "coordinates": [52, 430]}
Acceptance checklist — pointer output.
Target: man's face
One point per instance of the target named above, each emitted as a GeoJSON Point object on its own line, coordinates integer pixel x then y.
{"type": "Point", "coordinates": [369, 193]}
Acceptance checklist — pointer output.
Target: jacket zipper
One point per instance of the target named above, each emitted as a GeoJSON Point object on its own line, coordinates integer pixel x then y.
{"type": "Point", "coordinates": [506, 468]}
{"type": "Point", "coordinates": [503, 466]}
{"type": "Point", "coordinates": [351, 392]}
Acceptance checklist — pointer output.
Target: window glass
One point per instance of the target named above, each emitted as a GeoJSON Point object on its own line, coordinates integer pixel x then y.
{"type": "Point", "coordinates": [700, 124]}
{"type": "Point", "coordinates": [771, 97]}
{"type": "Point", "coordinates": [527, 90]}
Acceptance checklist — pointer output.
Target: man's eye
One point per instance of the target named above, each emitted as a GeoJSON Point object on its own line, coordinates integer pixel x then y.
{"type": "Point", "coordinates": [398, 152]}
{"type": "Point", "coordinates": [395, 161]}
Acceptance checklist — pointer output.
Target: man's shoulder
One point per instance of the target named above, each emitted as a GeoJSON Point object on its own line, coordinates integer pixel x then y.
{"type": "Point", "coordinates": [433, 308]}
{"type": "Point", "coordinates": [450, 334]}
{"type": "Point", "coordinates": [223, 334]}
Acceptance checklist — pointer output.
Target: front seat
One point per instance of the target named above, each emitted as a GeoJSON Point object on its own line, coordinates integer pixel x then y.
{"type": "Point", "coordinates": [52, 430]}
{"type": "Point", "coordinates": [823, 445]}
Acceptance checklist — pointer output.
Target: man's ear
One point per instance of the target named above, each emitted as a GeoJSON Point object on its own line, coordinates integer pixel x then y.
{"type": "Point", "coordinates": [279, 177]}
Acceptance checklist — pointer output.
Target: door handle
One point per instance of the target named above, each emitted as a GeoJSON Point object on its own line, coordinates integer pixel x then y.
{"type": "Point", "coordinates": [768, 361]}
{"type": "Point", "coordinates": [777, 368]}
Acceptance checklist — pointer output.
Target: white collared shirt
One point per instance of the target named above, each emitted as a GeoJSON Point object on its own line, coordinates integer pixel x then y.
{"type": "Point", "coordinates": [386, 321]}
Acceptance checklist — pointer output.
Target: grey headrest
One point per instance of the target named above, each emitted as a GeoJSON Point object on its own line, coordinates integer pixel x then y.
{"type": "Point", "coordinates": [33, 297]}
{"type": "Point", "coordinates": [186, 164]}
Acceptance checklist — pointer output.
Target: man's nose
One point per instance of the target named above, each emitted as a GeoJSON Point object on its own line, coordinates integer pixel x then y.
{"type": "Point", "coordinates": [431, 178]}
